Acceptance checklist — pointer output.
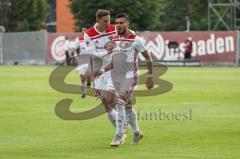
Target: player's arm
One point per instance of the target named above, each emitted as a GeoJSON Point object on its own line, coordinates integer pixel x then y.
{"type": "Point", "coordinates": [149, 62]}
{"type": "Point", "coordinates": [109, 49]}
{"type": "Point", "coordinates": [140, 48]}
{"type": "Point", "coordinates": [104, 69]}
{"type": "Point", "coordinates": [149, 82]}
{"type": "Point", "coordinates": [108, 67]}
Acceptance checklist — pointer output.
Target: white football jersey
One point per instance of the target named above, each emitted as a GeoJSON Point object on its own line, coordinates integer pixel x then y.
{"type": "Point", "coordinates": [125, 55]}
{"type": "Point", "coordinates": [97, 41]}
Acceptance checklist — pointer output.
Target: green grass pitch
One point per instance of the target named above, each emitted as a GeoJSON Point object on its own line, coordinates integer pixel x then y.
{"type": "Point", "coordinates": [29, 128]}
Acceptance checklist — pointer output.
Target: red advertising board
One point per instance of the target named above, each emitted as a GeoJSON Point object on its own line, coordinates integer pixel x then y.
{"type": "Point", "coordinates": [207, 46]}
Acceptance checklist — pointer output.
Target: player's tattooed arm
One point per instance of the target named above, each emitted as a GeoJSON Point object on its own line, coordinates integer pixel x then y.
{"type": "Point", "coordinates": [149, 62]}
{"type": "Point", "coordinates": [149, 82]}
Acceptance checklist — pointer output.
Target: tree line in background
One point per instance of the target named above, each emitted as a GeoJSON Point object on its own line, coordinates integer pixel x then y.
{"type": "Point", "coordinates": [23, 15]}
{"type": "Point", "coordinates": [153, 15]}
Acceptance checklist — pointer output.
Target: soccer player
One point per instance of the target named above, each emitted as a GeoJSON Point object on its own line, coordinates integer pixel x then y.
{"type": "Point", "coordinates": [82, 68]}
{"type": "Point", "coordinates": [96, 38]}
{"type": "Point", "coordinates": [66, 49]}
{"type": "Point", "coordinates": [125, 47]}
{"type": "Point", "coordinates": [72, 51]}
{"type": "Point", "coordinates": [188, 48]}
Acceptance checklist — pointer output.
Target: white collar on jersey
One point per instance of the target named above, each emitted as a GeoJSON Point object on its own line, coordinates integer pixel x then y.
{"type": "Point", "coordinates": [95, 27]}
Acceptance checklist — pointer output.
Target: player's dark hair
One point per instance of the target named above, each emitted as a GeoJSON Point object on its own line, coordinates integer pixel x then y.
{"type": "Point", "coordinates": [85, 27]}
{"type": "Point", "coordinates": [123, 15]}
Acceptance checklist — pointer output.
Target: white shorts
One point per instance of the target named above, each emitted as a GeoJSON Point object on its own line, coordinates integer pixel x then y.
{"type": "Point", "coordinates": [81, 69]}
{"type": "Point", "coordinates": [102, 84]}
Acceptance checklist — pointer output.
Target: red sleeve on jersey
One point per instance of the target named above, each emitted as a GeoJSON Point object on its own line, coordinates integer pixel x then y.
{"type": "Point", "coordinates": [131, 36]}
{"type": "Point", "coordinates": [91, 32]}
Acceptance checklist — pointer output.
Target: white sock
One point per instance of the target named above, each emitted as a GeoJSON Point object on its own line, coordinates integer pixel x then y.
{"type": "Point", "coordinates": [132, 119]}
{"type": "Point", "coordinates": [84, 87]}
{"type": "Point", "coordinates": [127, 118]}
{"type": "Point", "coordinates": [112, 117]}
{"type": "Point", "coordinates": [121, 116]}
